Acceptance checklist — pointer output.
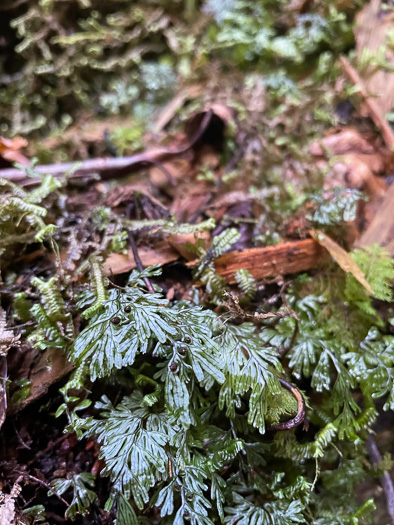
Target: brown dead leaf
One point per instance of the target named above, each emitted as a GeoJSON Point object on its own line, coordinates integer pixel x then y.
{"type": "Point", "coordinates": [352, 172]}
{"type": "Point", "coordinates": [176, 167]}
{"type": "Point", "coordinates": [190, 201]}
{"type": "Point", "coordinates": [10, 149]}
{"type": "Point", "coordinates": [179, 243]}
{"type": "Point", "coordinates": [347, 140]}
{"type": "Point", "coordinates": [342, 257]}
{"type": "Point", "coordinates": [49, 367]}
{"type": "Point", "coordinates": [163, 253]}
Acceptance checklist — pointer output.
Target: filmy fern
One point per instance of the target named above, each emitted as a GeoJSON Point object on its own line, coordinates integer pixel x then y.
{"type": "Point", "coordinates": [183, 367]}
{"type": "Point", "coordinates": [205, 269]}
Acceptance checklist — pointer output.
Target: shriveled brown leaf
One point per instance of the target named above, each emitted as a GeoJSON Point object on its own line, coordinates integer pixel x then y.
{"type": "Point", "coordinates": [345, 141]}
{"type": "Point", "coordinates": [352, 172]}
{"type": "Point", "coordinates": [162, 253]}
{"type": "Point", "coordinates": [10, 149]}
{"type": "Point", "coordinates": [342, 257]}
{"type": "Point", "coordinates": [190, 201]}
{"type": "Point", "coordinates": [180, 242]}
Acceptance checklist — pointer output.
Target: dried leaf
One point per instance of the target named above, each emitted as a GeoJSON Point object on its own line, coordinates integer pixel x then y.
{"type": "Point", "coordinates": [342, 257]}
{"type": "Point", "coordinates": [10, 149]}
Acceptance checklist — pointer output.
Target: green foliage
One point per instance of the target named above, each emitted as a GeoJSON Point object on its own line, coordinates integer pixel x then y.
{"type": "Point", "coordinates": [246, 283]}
{"type": "Point", "coordinates": [378, 268]}
{"type": "Point", "coordinates": [22, 212]}
{"type": "Point", "coordinates": [83, 496]}
{"type": "Point", "coordinates": [168, 226]}
{"type": "Point", "coordinates": [205, 269]}
{"type": "Point", "coordinates": [198, 394]}
{"type": "Point", "coordinates": [285, 512]}
{"type": "Point", "coordinates": [186, 371]}
{"type": "Point", "coordinates": [54, 327]}
{"type": "Point", "coordinates": [335, 208]}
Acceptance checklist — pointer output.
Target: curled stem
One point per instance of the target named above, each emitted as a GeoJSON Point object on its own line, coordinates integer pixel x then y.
{"type": "Point", "coordinates": [300, 416]}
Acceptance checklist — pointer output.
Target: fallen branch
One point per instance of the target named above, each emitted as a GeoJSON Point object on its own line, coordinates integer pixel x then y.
{"type": "Point", "coordinates": [108, 168]}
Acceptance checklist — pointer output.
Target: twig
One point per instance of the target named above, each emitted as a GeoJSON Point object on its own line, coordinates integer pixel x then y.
{"type": "Point", "coordinates": [385, 479]}
{"type": "Point", "coordinates": [18, 436]}
{"type": "Point", "coordinates": [373, 108]}
{"type": "Point", "coordinates": [299, 418]}
{"type": "Point", "coordinates": [47, 486]}
{"type": "Point", "coordinates": [109, 168]}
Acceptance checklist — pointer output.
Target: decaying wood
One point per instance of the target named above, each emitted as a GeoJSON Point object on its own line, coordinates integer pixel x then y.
{"type": "Point", "coordinates": [373, 108]}
{"type": "Point", "coordinates": [50, 367]}
{"type": "Point", "coordinates": [271, 261]}
{"type": "Point", "coordinates": [381, 228]}
{"type": "Point", "coordinates": [373, 27]}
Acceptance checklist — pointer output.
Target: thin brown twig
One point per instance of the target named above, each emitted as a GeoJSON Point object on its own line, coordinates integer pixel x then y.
{"type": "Point", "coordinates": [47, 486]}
{"type": "Point", "coordinates": [108, 168]}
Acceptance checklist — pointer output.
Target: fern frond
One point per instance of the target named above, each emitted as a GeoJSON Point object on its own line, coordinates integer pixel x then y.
{"type": "Point", "coordinates": [98, 281]}
{"type": "Point", "coordinates": [246, 283]}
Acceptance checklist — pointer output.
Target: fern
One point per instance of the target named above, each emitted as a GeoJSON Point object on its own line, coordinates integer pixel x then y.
{"type": "Point", "coordinates": [378, 268]}
{"type": "Point", "coordinates": [247, 284]}
{"type": "Point", "coordinates": [280, 513]}
{"type": "Point", "coordinates": [98, 282]}
{"type": "Point", "coordinates": [153, 438]}
{"type": "Point", "coordinates": [83, 496]}
{"type": "Point", "coordinates": [205, 269]}
{"type": "Point", "coordinates": [335, 208]}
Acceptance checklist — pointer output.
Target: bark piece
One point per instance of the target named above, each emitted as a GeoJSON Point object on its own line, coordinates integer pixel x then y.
{"type": "Point", "coordinates": [373, 24]}
{"type": "Point", "coordinates": [381, 228]}
{"type": "Point", "coordinates": [271, 261]}
{"type": "Point", "coordinates": [50, 367]}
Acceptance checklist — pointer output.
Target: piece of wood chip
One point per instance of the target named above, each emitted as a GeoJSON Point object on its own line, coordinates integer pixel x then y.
{"type": "Point", "coordinates": [381, 228]}
{"type": "Point", "coordinates": [271, 261]}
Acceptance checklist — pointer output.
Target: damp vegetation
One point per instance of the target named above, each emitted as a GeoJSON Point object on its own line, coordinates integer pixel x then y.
{"type": "Point", "coordinates": [197, 333]}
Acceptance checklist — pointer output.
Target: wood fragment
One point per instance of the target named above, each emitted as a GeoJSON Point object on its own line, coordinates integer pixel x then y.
{"type": "Point", "coordinates": [271, 261]}
{"type": "Point", "coordinates": [51, 366]}
{"type": "Point", "coordinates": [373, 108]}
{"type": "Point", "coordinates": [381, 229]}
{"type": "Point", "coordinates": [372, 32]}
